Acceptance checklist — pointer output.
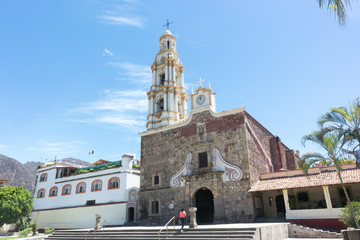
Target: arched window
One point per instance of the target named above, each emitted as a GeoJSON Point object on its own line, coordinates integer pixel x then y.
{"type": "Point", "coordinates": [66, 190]}
{"type": "Point", "coordinates": [41, 193]}
{"type": "Point", "coordinates": [53, 192]}
{"type": "Point", "coordinates": [162, 79]}
{"type": "Point", "coordinates": [96, 185]}
{"type": "Point", "coordinates": [43, 177]}
{"type": "Point", "coordinates": [159, 107]}
{"type": "Point", "coordinates": [81, 187]}
{"type": "Point", "coordinates": [114, 183]}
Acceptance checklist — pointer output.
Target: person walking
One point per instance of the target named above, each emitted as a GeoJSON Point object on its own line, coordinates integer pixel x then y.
{"type": "Point", "coordinates": [182, 216]}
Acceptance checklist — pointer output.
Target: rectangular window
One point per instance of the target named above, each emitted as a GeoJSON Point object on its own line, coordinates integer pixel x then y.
{"type": "Point", "coordinates": [303, 197]}
{"type": "Point", "coordinates": [90, 202]}
{"type": "Point", "coordinates": [203, 161]}
{"type": "Point", "coordinates": [343, 197]}
{"type": "Point", "coordinates": [155, 207]}
{"type": "Point", "coordinates": [156, 180]}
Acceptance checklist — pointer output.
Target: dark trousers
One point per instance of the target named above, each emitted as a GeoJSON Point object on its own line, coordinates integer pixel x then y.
{"type": "Point", "coordinates": [182, 223]}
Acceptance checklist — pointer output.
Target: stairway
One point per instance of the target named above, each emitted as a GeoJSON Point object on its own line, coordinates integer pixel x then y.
{"type": "Point", "coordinates": [152, 234]}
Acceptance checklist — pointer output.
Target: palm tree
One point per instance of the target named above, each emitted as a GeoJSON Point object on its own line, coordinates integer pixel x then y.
{"type": "Point", "coordinates": [331, 142]}
{"type": "Point", "coordinates": [346, 120]}
{"type": "Point", "coordinates": [339, 7]}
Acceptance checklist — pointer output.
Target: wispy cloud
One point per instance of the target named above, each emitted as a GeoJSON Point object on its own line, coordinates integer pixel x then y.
{"type": "Point", "coordinates": [122, 108]}
{"type": "Point", "coordinates": [122, 20]}
{"type": "Point", "coordinates": [2, 146]}
{"type": "Point", "coordinates": [107, 52]}
{"type": "Point", "coordinates": [123, 14]}
{"type": "Point", "coordinates": [60, 149]}
{"type": "Point", "coordinates": [137, 74]}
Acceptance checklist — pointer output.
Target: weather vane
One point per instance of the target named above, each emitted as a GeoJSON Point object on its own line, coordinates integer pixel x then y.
{"type": "Point", "coordinates": [167, 24]}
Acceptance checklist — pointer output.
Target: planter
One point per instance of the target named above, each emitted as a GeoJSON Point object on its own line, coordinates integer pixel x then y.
{"type": "Point", "coordinates": [350, 234]}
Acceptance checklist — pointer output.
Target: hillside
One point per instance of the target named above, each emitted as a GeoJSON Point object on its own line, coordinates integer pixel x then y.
{"type": "Point", "coordinates": [24, 175]}
{"type": "Point", "coordinates": [17, 173]}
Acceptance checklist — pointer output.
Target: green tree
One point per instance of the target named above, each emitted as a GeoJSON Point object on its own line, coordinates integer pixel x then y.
{"type": "Point", "coordinates": [346, 120]}
{"type": "Point", "coordinates": [346, 216]}
{"type": "Point", "coordinates": [331, 142]}
{"type": "Point", "coordinates": [15, 203]}
{"type": "Point", "coordinates": [339, 8]}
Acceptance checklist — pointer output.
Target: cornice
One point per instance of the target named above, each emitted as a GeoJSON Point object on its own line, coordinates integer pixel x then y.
{"type": "Point", "coordinates": [189, 118]}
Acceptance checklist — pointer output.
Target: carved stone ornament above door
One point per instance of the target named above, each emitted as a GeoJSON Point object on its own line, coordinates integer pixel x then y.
{"type": "Point", "coordinates": [231, 171]}
{"type": "Point", "coordinates": [177, 180]}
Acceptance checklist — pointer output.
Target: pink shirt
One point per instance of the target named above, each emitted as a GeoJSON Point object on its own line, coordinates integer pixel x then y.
{"type": "Point", "coordinates": [182, 214]}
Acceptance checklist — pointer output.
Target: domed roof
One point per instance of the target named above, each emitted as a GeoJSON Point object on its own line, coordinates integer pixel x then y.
{"type": "Point", "coordinates": [167, 32]}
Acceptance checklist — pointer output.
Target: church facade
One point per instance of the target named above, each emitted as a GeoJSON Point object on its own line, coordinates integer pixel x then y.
{"type": "Point", "coordinates": [203, 159]}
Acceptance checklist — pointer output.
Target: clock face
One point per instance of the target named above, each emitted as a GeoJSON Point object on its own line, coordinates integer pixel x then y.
{"type": "Point", "coordinates": [201, 99]}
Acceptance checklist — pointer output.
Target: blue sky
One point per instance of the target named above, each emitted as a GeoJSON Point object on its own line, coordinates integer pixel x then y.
{"type": "Point", "coordinates": [74, 74]}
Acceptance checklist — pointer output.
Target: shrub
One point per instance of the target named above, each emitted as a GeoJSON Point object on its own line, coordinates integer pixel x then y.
{"type": "Point", "coordinates": [49, 231]}
{"type": "Point", "coordinates": [25, 232]}
{"type": "Point", "coordinates": [34, 227]}
{"type": "Point", "coordinates": [24, 225]}
{"type": "Point", "coordinates": [346, 216]}
{"type": "Point", "coordinates": [91, 170]}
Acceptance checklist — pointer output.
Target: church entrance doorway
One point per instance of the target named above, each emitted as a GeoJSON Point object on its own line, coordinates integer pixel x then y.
{"type": "Point", "coordinates": [205, 206]}
{"type": "Point", "coordinates": [280, 206]}
{"type": "Point", "coordinates": [131, 214]}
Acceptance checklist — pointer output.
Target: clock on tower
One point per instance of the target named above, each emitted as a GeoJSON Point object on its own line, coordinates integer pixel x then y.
{"type": "Point", "coordinates": [203, 98]}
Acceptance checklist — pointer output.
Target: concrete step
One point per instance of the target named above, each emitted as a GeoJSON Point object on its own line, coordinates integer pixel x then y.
{"type": "Point", "coordinates": [133, 234]}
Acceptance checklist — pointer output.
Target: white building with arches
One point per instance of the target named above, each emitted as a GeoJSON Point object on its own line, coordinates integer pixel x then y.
{"type": "Point", "coordinates": [68, 195]}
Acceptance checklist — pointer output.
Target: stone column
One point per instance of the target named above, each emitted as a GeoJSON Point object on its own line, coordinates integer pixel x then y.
{"type": "Point", "coordinates": [181, 78]}
{"type": "Point", "coordinates": [184, 105]}
{"type": "Point", "coordinates": [153, 77]}
{"type": "Point", "coordinates": [286, 200]}
{"type": "Point", "coordinates": [151, 110]}
{"type": "Point", "coordinates": [166, 71]}
{"type": "Point", "coordinates": [171, 100]}
{"type": "Point", "coordinates": [176, 109]}
{"type": "Point", "coordinates": [166, 96]}
{"type": "Point", "coordinates": [173, 74]}
{"type": "Point", "coordinates": [327, 197]}
{"type": "Point", "coordinates": [98, 222]}
{"type": "Point", "coordinates": [193, 223]}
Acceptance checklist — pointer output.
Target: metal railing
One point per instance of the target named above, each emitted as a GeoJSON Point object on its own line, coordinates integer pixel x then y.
{"type": "Point", "coordinates": [167, 227]}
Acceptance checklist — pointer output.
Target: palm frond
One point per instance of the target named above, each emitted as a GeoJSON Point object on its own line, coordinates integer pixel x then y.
{"type": "Point", "coordinates": [344, 113]}
{"type": "Point", "coordinates": [332, 117]}
{"type": "Point", "coordinates": [309, 159]}
{"type": "Point", "coordinates": [316, 137]}
{"type": "Point", "coordinates": [339, 8]}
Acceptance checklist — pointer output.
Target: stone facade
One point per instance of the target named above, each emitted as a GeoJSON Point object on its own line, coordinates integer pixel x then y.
{"type": "Point", "coordinates": [242, 143]}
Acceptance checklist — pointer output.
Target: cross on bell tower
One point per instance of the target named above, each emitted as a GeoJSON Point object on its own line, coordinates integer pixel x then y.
{"type": "Point", "coordinates": [201, 80]}
{"type": "Point", "coordinates": [167, 24]}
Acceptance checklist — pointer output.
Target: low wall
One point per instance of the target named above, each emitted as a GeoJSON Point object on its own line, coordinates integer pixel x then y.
{"type": "Point", "coordinates": [296, 231]}
{"type": "Point", "coordinates": [274, 232]}
{"type": "Point", "coordinates": [327, 223]}
{"type": "Point", "coordinates": [80, 217]}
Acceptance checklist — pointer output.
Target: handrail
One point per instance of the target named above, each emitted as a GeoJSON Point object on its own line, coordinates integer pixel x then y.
{"type": "Point", "coordinates": [166, 225]}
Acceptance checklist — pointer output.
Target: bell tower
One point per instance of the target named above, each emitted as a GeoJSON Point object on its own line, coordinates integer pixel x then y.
{"type": "Point", "coordinates": [167, 96]}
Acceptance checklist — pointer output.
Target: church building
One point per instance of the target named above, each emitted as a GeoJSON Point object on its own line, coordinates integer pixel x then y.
{"type": "Point", "coordinates": [203, 159]}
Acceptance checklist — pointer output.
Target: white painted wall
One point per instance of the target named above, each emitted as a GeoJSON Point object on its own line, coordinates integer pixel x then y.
{"type": "Point", "coordinates": [80, 217]}
{"type": "Point", "coordinates": [77, 199]}
{"type": "Point", "coordinates": [70, 211]}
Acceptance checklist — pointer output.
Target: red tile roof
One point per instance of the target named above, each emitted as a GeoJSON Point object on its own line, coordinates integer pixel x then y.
{"type": "Point", "coordinates": [315, 180]}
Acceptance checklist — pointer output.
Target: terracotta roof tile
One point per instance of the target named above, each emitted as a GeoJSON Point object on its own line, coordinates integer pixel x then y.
{"type": "Point", "coordinates": [315, 180]}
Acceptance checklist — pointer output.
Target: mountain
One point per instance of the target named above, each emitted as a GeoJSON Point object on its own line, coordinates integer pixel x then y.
{"type": "Point", "coordinates": [24, 174]}
{"type": "Point", "coordinates": [17, 173]}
